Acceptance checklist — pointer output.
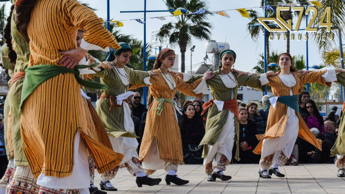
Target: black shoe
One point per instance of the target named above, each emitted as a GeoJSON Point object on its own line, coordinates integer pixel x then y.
{"type": "Point", "coordinates": [221, 176]}
{"type": "Point", "coordinates": [147, 181]}
{"type": "Point", "coordinates": [275, 172]}
{"type": "Point", "coordinates": [262, 175]}
{"type": "Point", "coordinates": [104, 186]}
{"type": "Point", "coordinates": [94, 190]}
{"type": "Point", "coordinates": [341, 174]}
{"type": "Point", "coordinates": [211, 178]}
{"type": "Point", "coordinates": [174, 179]}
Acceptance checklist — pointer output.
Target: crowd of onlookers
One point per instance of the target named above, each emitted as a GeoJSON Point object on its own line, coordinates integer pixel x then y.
{"type": "Point", "coordinates": [253, 119]}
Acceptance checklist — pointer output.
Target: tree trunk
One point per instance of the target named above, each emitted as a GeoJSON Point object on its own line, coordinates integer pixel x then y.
{"type": "Point", "coordinates": [183, 58]}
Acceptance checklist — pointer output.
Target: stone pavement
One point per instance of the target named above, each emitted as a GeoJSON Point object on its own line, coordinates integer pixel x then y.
{"type": "Point", "coordinates": [308, 178]}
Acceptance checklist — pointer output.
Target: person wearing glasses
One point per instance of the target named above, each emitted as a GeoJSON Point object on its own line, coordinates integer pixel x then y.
{"type": "Point", "coordinates": [137, 108]}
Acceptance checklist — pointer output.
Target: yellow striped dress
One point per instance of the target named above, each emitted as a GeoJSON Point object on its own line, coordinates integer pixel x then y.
{"type": "Point", "coordinates": [53, 114]}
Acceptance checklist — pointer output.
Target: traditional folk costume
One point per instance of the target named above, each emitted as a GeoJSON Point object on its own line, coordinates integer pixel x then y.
{"type": "Point", "coordinates": [338, 148]}
{"type": "Point", "coordinates": [161, 147]}
{"type": "Point", "coordinates": [7, 177]}
{"type": "Point", "coordinates": [23, 180]}
{"type": "Point", "coordinates": [222, 120]}
{"type": "Point", "coordinates": [115, 114]}
{"type": "Point", "coordinates": [284, 122]}
{"type": "Point", "coordinates": [54, 127]}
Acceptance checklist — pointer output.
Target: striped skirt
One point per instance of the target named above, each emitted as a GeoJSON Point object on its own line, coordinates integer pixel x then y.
{"type": "Point", "coordinates": [51, 117]}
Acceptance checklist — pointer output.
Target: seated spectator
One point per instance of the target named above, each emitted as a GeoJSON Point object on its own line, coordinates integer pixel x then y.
{"type": "Point", "coordinates": [313, 118]}
{"type": "Point", "coordinates": [307, 150]}
{"type": "Point", "coordinates": [192, 132]}
{"type": "Point", "coordinates": [248, 140]}
{"type": "Point", "coordinates": [330, 135]}
{"type": "Point", "coordinates": [264, 112]}
{"type": "Point", "coordinates": [327, 143]}
{"type": "Point", "coordinates": [201, 100]}
{"type": "Point", "coordinates": [331, 115]}
{"type": "Point", "coordinates": [254, 116]}
{"type": "Point", "coordinates": [176, 100]}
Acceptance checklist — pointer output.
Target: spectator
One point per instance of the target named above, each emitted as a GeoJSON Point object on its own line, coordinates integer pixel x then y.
{"type": "Point", "coordinates": [264, 112]}
{"type": "Point", "coordinates": [176, 100]}
{"type": "Point", "coordinates": [198, 107]}
{"type": "Point", "coordinates": [306, 150]}
{"type": "Point", "coordinates": [201, 101]}
{"type": "Point", "coordinates": [192, 132]}
{"type": "Point", "coordinates": [3, 157]}
{"type": "Point", "coordinates": [137, 108]}
{"type": "Point", "coordinates": [248, 140]}
{"type": "Point", "coordinates": [302, 100]}
{"type": "Point", "coordinates": [313, 117]}
{"type": "Point", "coordinates": [243, 105]}
{"type": "Point", "coordinates": [331, 115]}
{"type": "Point", "coordinates": [330, 135]}
{"type": "Point", "coordinates": [254, 116]}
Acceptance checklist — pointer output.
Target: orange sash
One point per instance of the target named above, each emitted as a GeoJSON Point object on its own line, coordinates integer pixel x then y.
{"type": "Point", "coordinates": [230, 105]}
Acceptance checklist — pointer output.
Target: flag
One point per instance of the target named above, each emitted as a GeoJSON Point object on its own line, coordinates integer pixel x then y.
{"type": "Point", "coordinates": [223, 13]}
{"type": "Point", "coordinates": [160, 17]}
{"type": "Point", "coordinates": [118, 23]}
{"type": "Point", "coordinates": [200, 11]}
{"type": "Point", "coordinates": [177, 12]}
{"type": "Point", "coordinates": [316, 3]}
{"type": "Point", "coordinates": [268, 7]}
{"type": "Point", "coordinates": [243, 12]}
{"type": "Point", "coordinates": [139, 20]}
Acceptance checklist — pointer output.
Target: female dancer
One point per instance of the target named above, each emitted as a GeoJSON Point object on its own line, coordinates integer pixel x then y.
{"type": "Point", "coordinates": [19, 55]}
{"type": "Point", "coordinates": [7, 177]}
{"type": "Point", "coordinates": [284, 122]}
{"type": "Point", "coordinates": [54, 130]}
{"type": "Point", "coordinates": [115, 113]}
{"type": "Point", "coordinates": [338, 147]}
{"type": "Point", "coordinates": [222, 117]}
{"type": "Point", "coordinates": [161, 146]}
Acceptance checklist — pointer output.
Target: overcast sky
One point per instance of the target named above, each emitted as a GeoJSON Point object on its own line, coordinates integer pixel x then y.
{"type": "Point", "coordinates": [232, 30]}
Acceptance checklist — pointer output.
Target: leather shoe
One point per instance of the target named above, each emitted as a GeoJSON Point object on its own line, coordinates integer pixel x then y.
{"type": "Point", "coordinates": [211, 178]}
{"type": "Point", "coordinates": [94, 190]}
{"type": "Point", "coordinates": [221, 176]}
{"type": "Point", "coordinates": [174, 179]}
{"type": "Point", "coordinates": [275, 172]}
{"type": "Point", "coordinates": [147, 181]}
{"type": "Point", "coordinates": [104, 186]}
{"type": "Point", "coordinates": [341, 173]}
{"type": "Point", "coordinates": [262, 175]}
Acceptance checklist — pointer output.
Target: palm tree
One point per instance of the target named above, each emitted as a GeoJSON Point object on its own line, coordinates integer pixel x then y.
{"type": "Point", "coordinates": [260, 65]}
{"type": "Point", "coordinates": [2, 23]}
{"type": "Point", "coordinates": [332, 58]}
{"type": "Point", "coordinates": [338, 15]}
{"type": "Point", "coordinates": [298, 62]}
{"type": "Point", "coordinates": [188, 26]}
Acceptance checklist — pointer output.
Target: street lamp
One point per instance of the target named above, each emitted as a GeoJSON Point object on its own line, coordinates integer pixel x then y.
{"type": "Point", "coordinates": [191, 56]}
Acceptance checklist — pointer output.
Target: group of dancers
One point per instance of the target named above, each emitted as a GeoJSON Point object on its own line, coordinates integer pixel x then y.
{"type": "Point", "coordinates": [55, 139]}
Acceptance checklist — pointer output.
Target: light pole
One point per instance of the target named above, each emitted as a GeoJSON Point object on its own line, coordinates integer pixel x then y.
{"type": "Point", "coordinates": [307, 48]}
{"type": "Point", "coordinates": [191, 56]}
{"type": "Point", "coordinates": [265, 39]}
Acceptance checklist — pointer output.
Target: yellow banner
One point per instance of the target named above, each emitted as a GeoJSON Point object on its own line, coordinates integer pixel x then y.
{"type": "Point", "coordinates": [316, 3]}
{"type": "Point", "coordinates": [243, 12]}
{"type": "Point", "coordinates": [118, 23]}
{"type": "Point", "coordinates": [177, 12]}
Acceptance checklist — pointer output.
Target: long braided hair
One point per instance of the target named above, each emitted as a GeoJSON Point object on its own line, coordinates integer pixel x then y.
{"type": "Point", "coordinates": [23, 13]}
{"type": "Point", "coordinates": [12, 55]}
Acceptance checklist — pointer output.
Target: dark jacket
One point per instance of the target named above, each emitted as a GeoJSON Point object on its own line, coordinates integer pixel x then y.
{"type": "Point", "coordinates": [138, 111]}
{"type": "Point", "coordinates": [331, 116]}
{"type": "Point", "coordinates": [192, 130]}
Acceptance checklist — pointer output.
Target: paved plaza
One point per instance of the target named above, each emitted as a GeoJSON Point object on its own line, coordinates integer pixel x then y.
{"type": "Point", "coordinates": [309, 178]}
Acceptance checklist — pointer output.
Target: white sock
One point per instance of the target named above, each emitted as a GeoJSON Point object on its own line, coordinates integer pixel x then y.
{"type": "Point", "coordinates": [341, 171]}
{"type": "Point", "coordinates": [274, 166]}
{"type": "Point", "coordinates": [108, 184]}
{"type": "Point", "coordinates": [209, 176]}
{"type": "Point", "coordinates": [171, 172]}
{"type": "Point", "coordinates": [140, 174]}
{"type": "Point", "coordinates": [217, 169]}
{"type": "Point", "coordinates": [92, 185]}
{"type": "Point", "coordinates": [263, 171]}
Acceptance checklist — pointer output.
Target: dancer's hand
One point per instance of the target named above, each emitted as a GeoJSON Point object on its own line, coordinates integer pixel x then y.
{"type": "Point", "coordinates": [72, 56]}
{"type": "Point", "coordinates": [107, 65]}
{"type": "Point", "coordinates": [208, 75]}
{"type": "Point", "coordinates": [152, 74]}
{"type": "Point", "coordinates": [271, 73]}
{"type": "Point", "coordinates": [67, 62]}
{"type": "Point", "coordinates": [239, 72]}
